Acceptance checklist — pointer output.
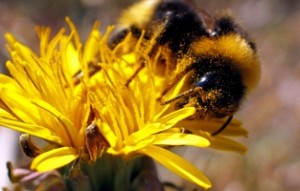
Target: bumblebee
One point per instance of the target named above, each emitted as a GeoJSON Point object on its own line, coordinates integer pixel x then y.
{"type": "Point", "coordinates": [216, 55]}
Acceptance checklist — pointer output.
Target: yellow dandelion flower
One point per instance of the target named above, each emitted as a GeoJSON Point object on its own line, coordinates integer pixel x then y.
{"type": "Point", "coordinates": [40, 98]}
{"type": "Point", "coordinates": [134, 123]}
{"type": "Point", "coordinates": [98, 111]}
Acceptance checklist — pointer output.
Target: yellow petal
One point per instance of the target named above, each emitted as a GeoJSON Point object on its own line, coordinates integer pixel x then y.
{"type": "Point", "coordinates": [130, 149]}
{"type": "Point", "coordinates": [9, 83]}
{"type": "Point", "coordinates": [74, 32]}
{"type": "Point", "coordinates": [177, 164]}
{"type": "Point", "coordinates": [7, 120]}
{"type": "Point", "coordinates": [71, 59]}
{"type": "Point", "coordinates": [44, 34]}
{"type": "Point", "coordinates": [180, 139]}
{"type": "Point", "coordinates": [65, 122]}
{"type": "Point", "coordinates": [223, 143]}
{"type": "Point", "coordinates": [234, 128]}
{"type": "Point", "coordinates": [20, 76]}
{"type": "Point", "coordinates": [20, 106]}
{"type": "Point", "coordinates": [163, 124]}
{"type": "Point", "coordinates": [92, 44]}
{"type": "Point", "coordinates": [54, 159]}
{"type": "Point", "coordinates": [108, 133]}
{"type": "Point", "coordinates": [144, 133]}
{"type": "Point", "coordinates": [226, 144]}
{"type": "Point", "coordinates": [171, 94]}
{"type": "Point", "coordinates": [172, 118]}
{"type": "Point", "coordinates": [23, 51]}
{"type": "Point", "coordinates": [52, 46]}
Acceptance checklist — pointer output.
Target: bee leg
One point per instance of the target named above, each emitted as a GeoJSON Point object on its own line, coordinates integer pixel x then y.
{"type": "Point", "coordinates": [93, 69]}
{"type": "Point", "coordinates": [186, 93]}
{"type": "Point", "coordinates": [196, 90]}
{"type": "Point", "coordinates": [163, 94]}
{"type": "Point", "coordinates": [223, 126]}
{"type": "Point", "coordinates": [136, 72]}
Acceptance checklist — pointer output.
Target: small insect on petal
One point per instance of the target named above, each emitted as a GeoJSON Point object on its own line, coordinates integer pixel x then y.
{"type": "Point", "coordinates": [28, 146]}
{"type": "Point", "coordinates": [96, 143]}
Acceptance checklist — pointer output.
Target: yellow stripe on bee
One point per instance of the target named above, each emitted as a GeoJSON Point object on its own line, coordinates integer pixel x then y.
{"type": "Point", "coordinates": [138, 14]}
{"type": "Point", "coordinates": [234, 48]}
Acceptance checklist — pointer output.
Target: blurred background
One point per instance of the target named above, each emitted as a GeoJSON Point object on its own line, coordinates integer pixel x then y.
{"type": "Point", "coordinates": [271, 113]}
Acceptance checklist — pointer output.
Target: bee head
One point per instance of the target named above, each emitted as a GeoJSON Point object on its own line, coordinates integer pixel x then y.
{"type": "Point", "coordinates": [216, 89]}
{"type": "Point", "coordinates": [221, 84]}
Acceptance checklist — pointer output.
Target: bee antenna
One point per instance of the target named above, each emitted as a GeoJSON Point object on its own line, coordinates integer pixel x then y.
{"type": "Point", "coordinates": [223, 126]}
{"type": "Point", "coordinates": [183, 94]}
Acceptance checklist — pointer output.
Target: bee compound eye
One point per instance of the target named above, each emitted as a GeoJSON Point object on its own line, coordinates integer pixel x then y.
{"type": "Point", "coordinates": [208, 80]}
